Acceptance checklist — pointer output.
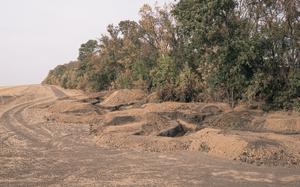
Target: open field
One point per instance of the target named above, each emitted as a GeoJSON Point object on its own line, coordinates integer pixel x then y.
{"type": "Point", "coordinates": [55, 137]}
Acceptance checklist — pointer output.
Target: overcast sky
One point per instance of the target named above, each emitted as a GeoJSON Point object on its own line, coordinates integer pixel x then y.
{"type": "Point", "coordinates": [37, 35]}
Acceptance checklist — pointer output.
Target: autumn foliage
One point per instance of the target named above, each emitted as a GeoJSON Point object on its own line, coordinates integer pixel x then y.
{"type": "Point", "coordinates": [218, 50]}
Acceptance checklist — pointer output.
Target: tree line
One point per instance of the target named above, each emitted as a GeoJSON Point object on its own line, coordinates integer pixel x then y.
{"type": "Point", "coordinates": [237, 51]}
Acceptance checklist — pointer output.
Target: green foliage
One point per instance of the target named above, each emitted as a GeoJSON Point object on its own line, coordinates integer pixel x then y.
{"type": "Point", "coordinates": [164, 77]}
{"type": "Point", "coordinates": [124, 81]}
{"type": "Point", "coordinates": [217, 38]}
{"type": "Point", "coordinates": [140, 70]}
{"type": "Point", "coordinates": [244, 50]}
{"type": "Point", "coordinates": [220, 50]}
{"type": "Point", "coordinates": [165, 72]}
{"type": "Point", "coordinates": [101, 80]}
{"type": "Point", "coordinates": [87, 50]}
{"type": "Point", "coordinates": [188, 85]}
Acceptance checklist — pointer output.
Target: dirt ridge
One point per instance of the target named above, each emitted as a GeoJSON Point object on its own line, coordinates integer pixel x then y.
{"type": "Point", "coordinates": [37, 150]}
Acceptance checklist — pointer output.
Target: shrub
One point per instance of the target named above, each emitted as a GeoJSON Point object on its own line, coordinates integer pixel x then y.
{"type": "Point", "coordinates": [165, 73]}
{"type": "Point", "coordinates": [188, 85]}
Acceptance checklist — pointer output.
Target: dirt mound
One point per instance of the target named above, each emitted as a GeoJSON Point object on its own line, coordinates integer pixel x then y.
{"type": "Point", "coordinates": [70, 106]}
{"type": "Point", "coordinates": [241, 120]}
{"type": "Point", "coordinates": [153, 98]}
{"type": "Point", "coordinates": [124, 96]}
{"type": "Point", "coordinates": [211, 128]}
{"type": "Point", "coordinates": [123, 121]}
{"type": "Point", "coordinates": [176, 130]}
{"type": "Point", "coordinates": [267, 152]}
{"type": "Point", "coordinates": [283, 122]}
{"type": "Point", "coordinates": [70, 111]}
{"type": "Point", "coordinates": [120, 120]}
{"type": "Point", "coordinates": [152, 124]}
{"type": "Point", "coordinates": [218, 143]}
{"type": "Point", "coordinates": [155, 124]}
{"type": "Point", "coordinates": [258, 121]}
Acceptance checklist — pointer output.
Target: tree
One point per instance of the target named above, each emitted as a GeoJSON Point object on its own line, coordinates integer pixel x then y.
{"type": "Point", "coordinates": [87, 50]}
{"type": "Point", "coordinates": [224, 50]}
{"type": "Point", "coordinates": [216, 37]}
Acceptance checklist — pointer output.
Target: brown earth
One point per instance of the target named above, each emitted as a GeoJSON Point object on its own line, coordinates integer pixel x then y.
{"type": "Point", "coordinates": [246, 136]}
{"type": "Point", "coordinates": [48, 139]}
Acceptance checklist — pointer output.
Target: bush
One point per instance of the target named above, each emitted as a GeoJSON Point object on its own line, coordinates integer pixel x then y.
{"type": "Point", "coordinates": [165, 73]}
{"type": "Point", "coordinates": [102, 79]}
{"type": "Point", "coordinates": [188, 86]}
{"type": "Point", "coordinates": [229, 57]}
{"type": "Point", "coordinates": [167, 92]}
{"type": "Point", "coordinates": [124, 81]}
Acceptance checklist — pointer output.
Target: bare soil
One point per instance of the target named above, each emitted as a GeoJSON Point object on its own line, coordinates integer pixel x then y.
{"type": "Point", "coordinates": [55, 137]}
{"type": "Point", "coordinates": [250, 136]}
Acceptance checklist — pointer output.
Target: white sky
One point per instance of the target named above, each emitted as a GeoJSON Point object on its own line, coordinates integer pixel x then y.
{"type": "Point", "coordinates": [37, 35]}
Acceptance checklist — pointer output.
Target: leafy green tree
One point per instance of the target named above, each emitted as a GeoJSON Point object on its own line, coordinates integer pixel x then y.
{"type": "Point", "coordinates": [87, 50]}
{"type": "Point", "coordinates": [216, 37]}
{"type": "Point", "coordinates": [165, 72]}
{"type": "Point", "coordinates": [224, 50]}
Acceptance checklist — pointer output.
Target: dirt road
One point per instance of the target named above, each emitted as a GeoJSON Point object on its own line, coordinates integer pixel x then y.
{"type": "Point", "coordinates": [34, 152]}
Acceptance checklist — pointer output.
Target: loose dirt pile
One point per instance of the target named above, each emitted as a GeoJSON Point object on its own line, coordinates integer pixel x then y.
{"type": "Point", "coordinates": [250, 136]}
{"type": "Point", "coordinates": [283, 122]}
{"type": "Point", "coordinates": [71, 111]}
{"type": "Point", "coordinates": [124, 97]}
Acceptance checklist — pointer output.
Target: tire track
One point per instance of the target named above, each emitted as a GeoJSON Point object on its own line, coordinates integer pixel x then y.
{"type": "Point", "coordinates": [58, 93]}
{"type": "Point", "coordinates": [35, 134]}
{"type": "Point", "coordinates": [13, 121]}
{"type": "Point", "coordinates": [9, 122]}
{"type": "Point", "coordinates": [34, 128]}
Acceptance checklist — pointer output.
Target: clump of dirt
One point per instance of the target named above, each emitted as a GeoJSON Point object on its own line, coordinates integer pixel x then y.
{"type": "Point", "coordinates": [120, 120]}
{"type": "Point", "coordinates": [72, 107]}
{"type": "Point", "coordinates": [70, 111]}
{"type": "Point", "coordinates": [258, 121]}
{"type": "Point", "coordinates": [237, 121]}
{"type": "Point", "coordinates": [204, 147]}
{"type": "Point", "coordinates": [153, 98]}
{"type": "Point", "coordinates": [212, 109]}
{"type": "Point", "coordinates": [217, 143]}
{"type": "Point", "coordinates": [125, 96]}
{"type": "Point", "coordinates": [267, 152]}
{"type": "Point", "coordinates": [176, 130]}
{"type": "Point", "coordinates": [91, 100]}
{"type": "Point", "coordinates": [283, 122]}
{"type": "Point", "coordinates": [152, 124]}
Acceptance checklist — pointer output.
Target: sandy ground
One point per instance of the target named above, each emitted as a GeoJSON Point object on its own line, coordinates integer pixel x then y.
{"type": "Point", "coordinates": [46, 140]}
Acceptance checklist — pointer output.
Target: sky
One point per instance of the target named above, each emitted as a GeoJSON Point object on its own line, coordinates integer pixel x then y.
{"type": "Point", "coordinates": [37, 35]}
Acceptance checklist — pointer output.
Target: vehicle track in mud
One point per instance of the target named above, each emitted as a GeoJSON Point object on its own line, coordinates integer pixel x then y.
{"type": "Point", "coordinates": [55, 154]}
